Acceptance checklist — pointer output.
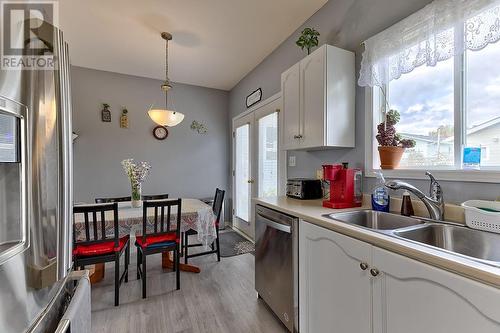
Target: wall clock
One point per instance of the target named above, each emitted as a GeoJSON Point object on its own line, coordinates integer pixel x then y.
{"type": "Point", "coordinates": [160, 132]}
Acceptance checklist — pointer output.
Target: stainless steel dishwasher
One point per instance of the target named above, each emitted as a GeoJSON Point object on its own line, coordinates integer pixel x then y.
{"type": "Point", "coordinates": [276, 261]}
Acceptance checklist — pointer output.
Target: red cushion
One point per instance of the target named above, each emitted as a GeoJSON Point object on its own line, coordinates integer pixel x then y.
{"type": "Point", "coordinates": [100, 248]}
{"type": "Point", "coordinates": [155, 239]}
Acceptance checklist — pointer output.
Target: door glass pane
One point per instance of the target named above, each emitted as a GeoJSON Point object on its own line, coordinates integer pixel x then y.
{"type": "Point", "coordinates": [268, 155]}
{"type": "Point", "coordinates": [242, 172]}
{"type": "Point", "coordinates": [483, 100]}
{"type": "Point", "coordinates": [425, 100]}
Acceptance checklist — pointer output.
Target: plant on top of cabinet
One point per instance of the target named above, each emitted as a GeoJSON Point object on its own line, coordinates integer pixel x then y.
{"type": "Point", "coordinates": [308, 39]}
{"type": "Point", "coordinates": [391, 144]}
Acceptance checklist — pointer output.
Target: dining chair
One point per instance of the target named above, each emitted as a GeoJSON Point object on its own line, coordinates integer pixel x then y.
{"type": "Point", "coordinates": [98, 247]}
{"type": "Point", "coordinates": [215, 248]}
{"type": "Point", "coordinates": [155, 197]}
{"type": "Point", "coordinates": [158, 236]}
{"type": "Point", "coordinates": [111, 200]}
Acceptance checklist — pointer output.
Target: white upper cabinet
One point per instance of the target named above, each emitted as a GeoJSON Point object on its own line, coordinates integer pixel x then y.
{"type": "Point", "coordinates": [318, 100]}
{"type": "Point", "coordinates": [290, 94]}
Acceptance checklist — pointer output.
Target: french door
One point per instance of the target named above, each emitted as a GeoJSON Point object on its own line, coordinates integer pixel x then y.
{"type": "Point", "coordinates": [242, 173]}
{"type": "Point", "coordinates": [256, 161]}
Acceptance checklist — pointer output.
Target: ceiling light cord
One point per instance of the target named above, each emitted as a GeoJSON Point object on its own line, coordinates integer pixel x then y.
{"type": "Point", "coordinates": [166, 73]}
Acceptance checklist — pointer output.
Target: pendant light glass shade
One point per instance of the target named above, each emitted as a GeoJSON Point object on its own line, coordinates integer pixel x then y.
{"type": "Point", "coordinates": [165, 117]}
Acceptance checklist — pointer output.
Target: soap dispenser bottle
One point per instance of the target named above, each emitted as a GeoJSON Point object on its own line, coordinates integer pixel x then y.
{"type": "Point", "coordinates": [380, 195]}
{"type": "Point", "coordinates": [406, 205]}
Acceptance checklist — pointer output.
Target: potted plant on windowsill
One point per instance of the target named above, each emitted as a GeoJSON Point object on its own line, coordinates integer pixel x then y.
{"type": "Point", "coordinates": [391, 145]}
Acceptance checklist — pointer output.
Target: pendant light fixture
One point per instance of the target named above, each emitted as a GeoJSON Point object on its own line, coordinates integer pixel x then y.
{"type": "Point", "coordinates": [166, 117]}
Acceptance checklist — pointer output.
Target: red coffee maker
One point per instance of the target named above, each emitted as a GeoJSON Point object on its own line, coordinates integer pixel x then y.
{"type": "Point", "coordinates": [345, 186]}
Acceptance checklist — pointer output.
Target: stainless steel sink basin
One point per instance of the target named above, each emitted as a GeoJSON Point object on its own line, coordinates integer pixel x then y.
{"type": "Point", "coordinates": [481, 245]}
{"type": "Point", "coordinates": [375, 220]}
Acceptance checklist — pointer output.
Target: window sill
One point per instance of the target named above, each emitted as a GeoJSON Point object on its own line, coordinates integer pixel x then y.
{"type": "Point", "coordinates": [480, 176]}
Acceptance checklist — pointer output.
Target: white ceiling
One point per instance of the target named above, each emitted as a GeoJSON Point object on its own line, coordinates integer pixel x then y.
{"type": "Point", "coordinates": [215, 42]}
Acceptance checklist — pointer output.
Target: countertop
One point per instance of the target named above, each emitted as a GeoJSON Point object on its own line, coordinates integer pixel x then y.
{"type": "Point", "coordinates": [312, 211]}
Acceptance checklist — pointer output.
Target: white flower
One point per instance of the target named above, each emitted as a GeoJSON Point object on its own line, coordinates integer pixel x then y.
{"type": "Point", "coordinates": [136, 172]}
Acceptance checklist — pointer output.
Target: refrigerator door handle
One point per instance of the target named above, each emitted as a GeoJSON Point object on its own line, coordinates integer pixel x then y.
{"type": "Point", "coordinates": [65, 226]}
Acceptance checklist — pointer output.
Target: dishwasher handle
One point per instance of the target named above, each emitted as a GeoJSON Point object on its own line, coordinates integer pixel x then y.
{"type": "Point", "coordinates": [274, 225]}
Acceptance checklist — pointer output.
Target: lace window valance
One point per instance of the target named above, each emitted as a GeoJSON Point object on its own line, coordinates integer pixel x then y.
{"type": "Point", "coordinates": [439, 31]}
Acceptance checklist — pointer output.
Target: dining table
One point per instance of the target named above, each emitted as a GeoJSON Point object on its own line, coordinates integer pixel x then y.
{"type": "Point", "coordinates": [195, 215]}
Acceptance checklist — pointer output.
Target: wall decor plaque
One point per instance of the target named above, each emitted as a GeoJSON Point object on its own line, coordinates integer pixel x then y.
{"type": "Point", "coordinates": [254, 97]}
{"type": "Point", "coordinates": [106, 113]}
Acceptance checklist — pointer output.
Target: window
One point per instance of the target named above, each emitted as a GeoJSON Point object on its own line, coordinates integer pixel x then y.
{"type": "Point", "coordinates": [447, 99]}
{"type": "Point", "coordinates": [482, 114]}
{"type": "Point", "coordinates": [424, 99]}
{"type": "Point", "coordinates": [268, 155]}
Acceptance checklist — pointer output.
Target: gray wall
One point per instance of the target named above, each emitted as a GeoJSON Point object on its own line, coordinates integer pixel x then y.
{"type": "Point", "coordinates": [186, 164]}
{"type": "Point", "coordinates": [343, 23]}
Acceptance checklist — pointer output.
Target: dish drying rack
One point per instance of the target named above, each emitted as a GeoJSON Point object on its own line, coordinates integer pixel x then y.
{"type": "Point", "coordinates": [482, 215]}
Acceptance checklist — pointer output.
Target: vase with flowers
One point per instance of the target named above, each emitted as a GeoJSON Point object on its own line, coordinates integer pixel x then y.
{"type": "Point", "coordinates": [136, 174]}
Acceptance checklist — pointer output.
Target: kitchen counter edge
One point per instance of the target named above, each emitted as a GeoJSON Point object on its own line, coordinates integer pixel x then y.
{"type": "Point", "coordinates": [312, 211]}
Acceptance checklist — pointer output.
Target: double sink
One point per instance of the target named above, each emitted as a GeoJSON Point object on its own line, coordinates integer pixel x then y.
{"type": "Point", "coordinates": [477, 245]}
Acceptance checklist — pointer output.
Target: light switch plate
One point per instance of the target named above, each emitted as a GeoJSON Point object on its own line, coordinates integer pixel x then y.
{"type": "Point", "coordinates": [291, 161]}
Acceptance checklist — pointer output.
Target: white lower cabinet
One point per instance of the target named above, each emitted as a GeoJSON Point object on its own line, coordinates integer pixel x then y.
{"type": "Point", "coordinates": [334, 292]}
{"type": "Point", "coordinates": [394, 294]}
{"type": "Point", "coordinates": [413, 297]}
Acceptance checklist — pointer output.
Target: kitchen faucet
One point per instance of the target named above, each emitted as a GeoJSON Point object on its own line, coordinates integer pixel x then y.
{"type": "Point", "coordinates": [434, 202]}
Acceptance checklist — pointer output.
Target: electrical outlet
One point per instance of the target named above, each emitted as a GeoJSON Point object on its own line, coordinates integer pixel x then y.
{"type": "Point", "coordinates": [291, 161]}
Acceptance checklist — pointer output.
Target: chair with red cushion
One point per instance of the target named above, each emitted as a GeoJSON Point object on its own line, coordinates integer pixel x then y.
{"type": "Point", "coordinates": [217, 208]}
{"type": "Point", "coordinates": [97, 247]}
{"type": "Point", "coordinates": [159, 235]}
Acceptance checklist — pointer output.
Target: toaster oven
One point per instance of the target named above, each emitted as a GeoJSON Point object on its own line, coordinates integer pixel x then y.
{"type": "Point", "coordinates": [304, 189]}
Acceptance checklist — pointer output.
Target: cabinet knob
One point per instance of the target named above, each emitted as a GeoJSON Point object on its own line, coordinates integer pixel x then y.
{"type": "Point", "coordinates": [374, 272]}
{"type": "Point", "coordinates": [297, 136]}
{"type": "Point", "coordinates": [363, 266]}
{"type": "Point", "coordinates": [250, 181]}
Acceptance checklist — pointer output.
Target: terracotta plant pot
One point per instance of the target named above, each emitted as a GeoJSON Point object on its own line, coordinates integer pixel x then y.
{"type": "Point", "coordinates": [390, 156]}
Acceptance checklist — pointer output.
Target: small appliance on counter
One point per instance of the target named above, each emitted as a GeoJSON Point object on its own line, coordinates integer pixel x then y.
{"type": "Point", "coordinates": [345, 186]}
{"type": "Point", "coordinates": [304, 189]}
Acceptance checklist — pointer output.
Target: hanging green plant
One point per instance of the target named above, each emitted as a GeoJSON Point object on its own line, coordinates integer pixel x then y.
{"type": "Point", "coordinates": [308, 39]}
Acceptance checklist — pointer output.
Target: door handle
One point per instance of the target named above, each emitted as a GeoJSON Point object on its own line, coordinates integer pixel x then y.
{"type": "Point", "coordinates": [250, 181]}
{"type": "Point", "coordinates": [274, 225]}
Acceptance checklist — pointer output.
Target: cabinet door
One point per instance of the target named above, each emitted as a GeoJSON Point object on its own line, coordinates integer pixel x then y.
{"type": "Point", "coordinates": [290, 92]}
{"type": "Point", "coordinates": [313, 85]}
{"type": "Point", "coordinates": [413, 297]}
{"type": "Point", "coordinates": [334, 292]}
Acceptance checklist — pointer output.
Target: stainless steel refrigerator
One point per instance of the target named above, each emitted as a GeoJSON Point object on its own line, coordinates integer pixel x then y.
{"type": "Point", "coordinates": [35, 188]}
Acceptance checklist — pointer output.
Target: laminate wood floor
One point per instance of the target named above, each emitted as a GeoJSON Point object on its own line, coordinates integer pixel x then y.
{"type": "Point", "coordinates": [221, 298]}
